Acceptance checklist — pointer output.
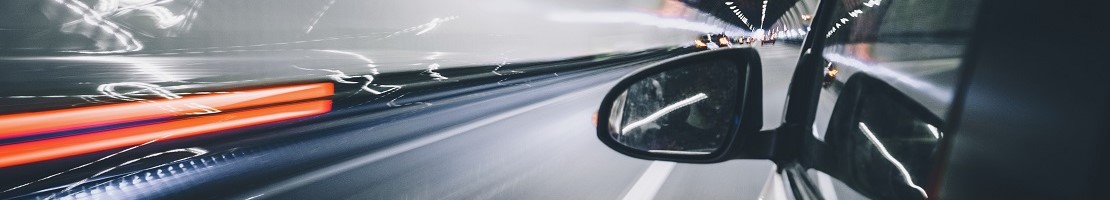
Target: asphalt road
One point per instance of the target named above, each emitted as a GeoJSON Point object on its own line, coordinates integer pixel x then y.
{"type": "Point", "coordinates": [529, 138]}
{"type": "Point", "coordinates": [467, 137]}
{"type": "Point", "coordinates": [546, 150]}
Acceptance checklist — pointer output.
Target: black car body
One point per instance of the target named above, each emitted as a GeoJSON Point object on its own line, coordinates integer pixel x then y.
{"type": "Point", "coordinates": [903, 99]}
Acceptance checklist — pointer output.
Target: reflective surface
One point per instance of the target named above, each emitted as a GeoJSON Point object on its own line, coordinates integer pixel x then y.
{"type": "Point", "coordinates": [687, 110]}
{"type": "Point", "coordinates": [889, 77]}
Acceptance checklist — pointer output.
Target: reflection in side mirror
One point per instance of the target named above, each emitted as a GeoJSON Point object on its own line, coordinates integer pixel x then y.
{"type": "Point", "coordinates": [695, 108]}
{"type": "Point", "coordinates": [685, 110]}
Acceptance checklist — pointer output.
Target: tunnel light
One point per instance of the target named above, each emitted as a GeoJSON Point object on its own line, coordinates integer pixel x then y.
{"type": "Point", "coordinates": [763, 15]}
{"type": "Point", "coordinates": [740, 15]}
{"type": "Point", "coordinates": [634, 18]}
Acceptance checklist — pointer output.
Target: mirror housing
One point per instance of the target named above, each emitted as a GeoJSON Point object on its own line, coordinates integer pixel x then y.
{"type": "Point", "coordinates": [735, 103]}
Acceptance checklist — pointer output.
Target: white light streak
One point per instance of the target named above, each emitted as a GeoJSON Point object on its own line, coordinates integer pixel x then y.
{"type": "Point", "coordinates": [885, 72]}
{"type": "Point", "coordinates": [434, 55]}
{"type": "Point", "coordinates": [872, 3]}
{"type": "Point", "coordinates": [673, 152]}
{"type": "Point", "coordinates": [433, 24]}
{"type": "Point", "coordinates": [433, 74]}
{"type": "Point", "coordinates": [763, 16]}
{"type": "Point", "coordinates": [670, 108]}
{"type": "Point", "coordinates": [738, 13]}
{"type": "Point", "coordinates": [882, 150]}
{"type": "Point", "coordinates": [165, 18]}
{"type": "Point", "coordinates": [853, 14]}
{"type": "Point", "coordinates": [319, 15]}
{"type": "Point", "coordinates": [369, 63]}
{"type": "Point", "coordinates": [195, 151]}
{"type": "Point", "coordinates": [108, 36]}
{"type": "Point", "coordinates": [340, 77]}
{"type": "Point", "coordinates": [634, 18]}
{"type": "Point", "coordinates": [933, 130]}
{"type": "Point", "coordinates": [110, 90]}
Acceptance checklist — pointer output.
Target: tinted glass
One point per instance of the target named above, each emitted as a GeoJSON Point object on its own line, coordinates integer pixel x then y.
{"type": "Point", "coordinates": [890, 73]}
{"type": "Point", "coordinates": [687, 110]}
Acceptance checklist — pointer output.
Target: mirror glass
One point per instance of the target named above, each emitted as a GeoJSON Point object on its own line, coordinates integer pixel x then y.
{"type": "Point", "coordinates": [687, 110]}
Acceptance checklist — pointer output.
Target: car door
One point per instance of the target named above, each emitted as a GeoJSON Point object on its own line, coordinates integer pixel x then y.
{"type": "Point", "coordinates": [875, 124]}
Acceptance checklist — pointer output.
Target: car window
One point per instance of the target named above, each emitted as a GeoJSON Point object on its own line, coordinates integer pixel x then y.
{"type": "Point", "coordinates": [890, 75]}
{"type": "Point", "coordinates": [914, 45]}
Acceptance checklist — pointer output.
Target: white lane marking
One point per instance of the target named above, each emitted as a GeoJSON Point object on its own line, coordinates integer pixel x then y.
{"type": "Point", "coordinates": [650, 182]}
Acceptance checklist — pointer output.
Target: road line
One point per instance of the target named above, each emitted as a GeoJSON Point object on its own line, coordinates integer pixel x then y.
{"type": "Point", "coordinates": [650, 182]}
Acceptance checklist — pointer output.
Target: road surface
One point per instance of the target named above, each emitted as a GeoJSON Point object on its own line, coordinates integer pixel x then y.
{"type": "Point", "coordinates": [548, 150]}
{"type": "Point", "coordinates": [529, 137]}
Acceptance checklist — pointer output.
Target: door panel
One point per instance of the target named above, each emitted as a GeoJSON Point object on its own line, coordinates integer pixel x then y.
{"type": "Point", "coordinates": [880, 143]}
{"type": "Point", "coordinates": [890, 69]}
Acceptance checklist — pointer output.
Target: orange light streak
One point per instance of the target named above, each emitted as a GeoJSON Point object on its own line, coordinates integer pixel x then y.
{"type": "Point", "coordinates": [28, 152]}
{"type": "Point", "coordinates": [23, 124]}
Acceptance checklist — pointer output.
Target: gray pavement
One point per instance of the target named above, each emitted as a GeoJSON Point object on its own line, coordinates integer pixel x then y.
{"type": "Point", "coordinates": [549, 151]}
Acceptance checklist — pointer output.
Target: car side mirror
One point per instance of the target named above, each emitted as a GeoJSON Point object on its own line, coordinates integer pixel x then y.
{"type": "Point", "coordinates": [704, 107]}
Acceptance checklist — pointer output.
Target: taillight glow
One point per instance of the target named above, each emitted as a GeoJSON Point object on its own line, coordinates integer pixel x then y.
{"type": "Point", "coordinates": [258, 106]}
{"type": "Point", "coordinates": [23, 124]}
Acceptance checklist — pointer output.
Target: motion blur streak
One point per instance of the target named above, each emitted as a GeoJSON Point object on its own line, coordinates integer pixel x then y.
{"type": "Point", "coordinates": [664, 111]}
{"type": "Point", "coordinates": [99, 29]}
{"type": "Point", "coordinates": [68, 146]}
{"type": "Point", "coordinates": [642, 19]}
{"type": "Point", "coordinates": [883, 151]}
{"type": "Point", "coordinates": [23, 124]}
{"type": "Point", "coordinates": [322, 174]}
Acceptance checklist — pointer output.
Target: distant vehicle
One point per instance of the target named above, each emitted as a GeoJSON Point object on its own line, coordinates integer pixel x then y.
{"type": "Point", "coordinates": [743, 40]}
{"type": "Point", "coordinates": [723, 39]}
{"type": "Point", "coordinates": [767, 40]}
{"type": "Point", "coordinates": [749, 40]}
{"type": "Point", "coordinates": [712, 41]}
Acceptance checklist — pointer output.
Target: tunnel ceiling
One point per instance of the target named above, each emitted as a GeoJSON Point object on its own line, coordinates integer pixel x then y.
{"type": "Point", "coordinates": [752, 9]}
